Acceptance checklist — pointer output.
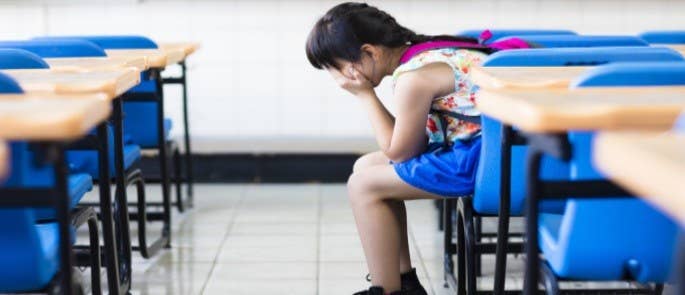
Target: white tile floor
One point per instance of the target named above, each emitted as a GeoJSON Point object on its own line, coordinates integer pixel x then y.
{"type": "Point", "coordinates": [284, 239]}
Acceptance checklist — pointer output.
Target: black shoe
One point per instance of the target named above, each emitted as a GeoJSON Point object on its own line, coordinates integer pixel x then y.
{"type": "Point", "coordinates": [410, 283]}
{"type": "Point", "coordinates": [378, 291]}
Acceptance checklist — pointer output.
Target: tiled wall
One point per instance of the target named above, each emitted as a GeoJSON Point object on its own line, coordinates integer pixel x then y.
{"type": "Point", "coordinates": [251, 78]}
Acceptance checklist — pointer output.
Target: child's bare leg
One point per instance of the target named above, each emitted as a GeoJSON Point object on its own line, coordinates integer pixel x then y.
{"type": "Point", "coordinates": [398, 208]}
{"type": "Point", "coordinates": [371, 192]}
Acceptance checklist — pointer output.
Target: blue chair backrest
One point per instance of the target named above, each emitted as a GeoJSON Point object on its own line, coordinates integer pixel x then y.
{"type": "Point", "coordinates": [111, 42]}
{"type": "Point", "coordinates": [8, 85]}
{"type": "Point", "coordinates": [487, 190]}
{"type": "Point", "coordinates": [11, 59]}
{"type": "Point", "coordinates": [57, 48]}
{"type": "Point", "coordinates": [664, 37]}
{"type": "Point", "coordinates": [550, 41]}
{"type": "Point", "coordinates": [579, 56]}
{"type": "Point", "coordinates": [501, 33]}
{"type": "Point", "coordinates": [634, 74]}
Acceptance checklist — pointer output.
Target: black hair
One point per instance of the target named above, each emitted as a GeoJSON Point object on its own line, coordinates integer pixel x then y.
{"type": "Point", "coordinates": [342, 31]}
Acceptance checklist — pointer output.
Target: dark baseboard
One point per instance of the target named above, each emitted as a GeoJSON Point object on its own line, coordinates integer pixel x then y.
{"type": "Point", "coordinates": [265, 168]}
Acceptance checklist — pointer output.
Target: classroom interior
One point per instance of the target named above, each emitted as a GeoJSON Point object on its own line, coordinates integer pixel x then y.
{"type": "Point", "coordinates": [228, 154]}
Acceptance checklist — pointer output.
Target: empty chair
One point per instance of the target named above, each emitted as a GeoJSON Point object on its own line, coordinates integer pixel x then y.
{"type": "Point", "coordinates": [110, 41]}
{"type": "Point", "coordinates": [634, 74]}
{"type": "Point", "coordinates": [548, 41]}
{"type": "Point", "coordinates": [31, 237]}
{"type": "Point", "coordinates": [57, 48]}
{"type": "Point", "coordinates": [549, 57]}
{"type": "Point", "coordinates": [610, 239]}
{"type": "Point", "coordinates": [11, 59]}
{"type": "Point", "coordinates": [664, 37]}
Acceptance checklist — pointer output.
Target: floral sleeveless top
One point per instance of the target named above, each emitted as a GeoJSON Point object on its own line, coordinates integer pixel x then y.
{"type": "Point", "coordinates": [462, 101]}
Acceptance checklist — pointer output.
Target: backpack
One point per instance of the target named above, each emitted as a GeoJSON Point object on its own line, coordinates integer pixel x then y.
{"type": "Point", "coordinates": [508, 44]}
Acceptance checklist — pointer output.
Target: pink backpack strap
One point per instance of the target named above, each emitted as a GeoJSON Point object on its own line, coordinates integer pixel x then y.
{"type": "Point", "coordinates": [510, 43]}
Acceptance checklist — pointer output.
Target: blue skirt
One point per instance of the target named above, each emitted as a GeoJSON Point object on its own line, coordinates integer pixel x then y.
{"type": "Point", "coordinates": [449, 172]}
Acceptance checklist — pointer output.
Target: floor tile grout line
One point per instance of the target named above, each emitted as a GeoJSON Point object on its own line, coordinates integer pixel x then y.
{"type": "Point", "coordinates": [420, 257]}
{"type": "Point", "coordinates": [318, 237]}
{"type": "Point", "coordinates": [243, 192]}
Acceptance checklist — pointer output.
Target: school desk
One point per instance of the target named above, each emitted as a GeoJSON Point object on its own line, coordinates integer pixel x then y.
{"type": "Point", "coordinates": [556, 110]}
{"type": "Point", "coordinates": [545, 115]}
{"type": "Point", "coordinates": [50, 116]}
{"type": "Point", "coordinates": [53, 123]}
{"type": "Point", "coordinates": [97, 63]}
{"type": "Point", "coordinates": [188, 48]}
{"type": "Point", "coordinates": [525, 77]}
{"type": "Point", "coordinates": [156, 58]}
{"type": "Point", "coordinates": [110, 85]}
{"type": "Point", "coordinates": [650, 164]}
{"type": "Point", "coordinates": [111, 82]}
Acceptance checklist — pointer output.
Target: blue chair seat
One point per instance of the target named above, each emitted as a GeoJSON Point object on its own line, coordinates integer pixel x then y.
{"type": "Point", "coordinates": [86, 161]}
{"type": "Point", "coordinates": [79, 184]}
{"type": "Point", "coordinates": [607, 239]}
{"type": "Point", "coordinates": [581, 40]}
{"type": "Point", "coordinates": [29, 251]}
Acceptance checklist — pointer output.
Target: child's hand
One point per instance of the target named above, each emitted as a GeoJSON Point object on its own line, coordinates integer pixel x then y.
{"type": "Point", "coordinates": [354, 82]}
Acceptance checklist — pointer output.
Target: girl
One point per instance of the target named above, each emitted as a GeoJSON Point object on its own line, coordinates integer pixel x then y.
{"type": "Point", "coordinates": [429, 148]}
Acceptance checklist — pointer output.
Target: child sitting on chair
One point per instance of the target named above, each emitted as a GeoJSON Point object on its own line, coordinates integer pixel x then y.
{"type": "Point", "coordinates": [429, 149]}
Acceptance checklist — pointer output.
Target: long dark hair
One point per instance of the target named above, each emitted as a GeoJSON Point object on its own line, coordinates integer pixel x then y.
{"type": "Point", "coordinates": [342, 31]}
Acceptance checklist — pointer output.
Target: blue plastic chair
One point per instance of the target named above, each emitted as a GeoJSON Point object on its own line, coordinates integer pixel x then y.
{"type": "Point", "coordinates": [664, 37]}
{"type": "Point", "coordinates": [31, 249]}
{"type": "Point", "coordinates": [11, 59]}
{"type": "Point", "coordinates": [57, 48]}
{"type": "Point", "coordinates": [486, 198]}
{"type": "Point", "coordinates": [610, 239]}
{"type": "Point", "coordinates": [555, 41]}
{"type": "Point", "coordinates": [634, 74]}
{"type": "Point", "coordinates": [30, 236]}
{"type": "Point", "coordinates": [501, 33]}
{"type": "Point", "coordinates": [9, 86]}
{"type": "Point", "coordinates": [110, 41]}
{"type": "Point", "coordinates": [579, 56]}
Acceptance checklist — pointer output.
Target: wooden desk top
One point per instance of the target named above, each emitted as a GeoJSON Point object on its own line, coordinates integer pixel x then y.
{"type": "Point", "coordinates": [525, 77]}
{"type": "Point", "coordinates": [652, 165]}
{"type": "Point", "coordinates": [156, 58]}
{"type": "Point", "coordinates": [187, 47]}
{"type": "Point", "coordinates": [97, 63]}
{"type": "Point", "coordinates": [111, 82]}
{"type": "Point", "coordinates": [47, 117]}
{"type": "Point", "coordinates": [555, 110]}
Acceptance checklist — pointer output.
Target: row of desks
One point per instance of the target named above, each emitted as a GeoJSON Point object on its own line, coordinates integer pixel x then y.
{"type": "Point", "coordinates": [69, 99]}
{"type": "Point", "coordinates": [65, 102]}
{"type": "Point", "coordinates": [537, 100]}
